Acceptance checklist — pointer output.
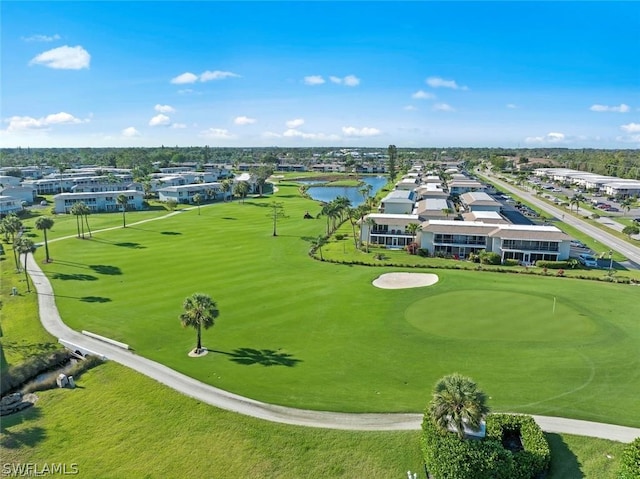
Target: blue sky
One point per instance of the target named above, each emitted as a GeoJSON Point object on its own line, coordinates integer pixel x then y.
{"type": "Point", "coordinates": [318, 73]}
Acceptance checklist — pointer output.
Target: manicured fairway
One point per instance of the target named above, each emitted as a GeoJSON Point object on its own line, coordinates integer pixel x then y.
{"type": "Point", "coordinates": [309, 334]}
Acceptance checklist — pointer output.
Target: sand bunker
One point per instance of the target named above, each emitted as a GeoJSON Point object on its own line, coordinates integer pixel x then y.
{"type": "Point", "coordinates": [405, 280]}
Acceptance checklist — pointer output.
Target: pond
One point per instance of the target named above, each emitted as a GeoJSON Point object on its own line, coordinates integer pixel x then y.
{"type": "Point", "coordinates": [330, 193]}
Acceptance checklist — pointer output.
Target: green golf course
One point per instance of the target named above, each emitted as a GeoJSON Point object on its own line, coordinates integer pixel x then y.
{"type": "Point", "coordinates": [303, 333]}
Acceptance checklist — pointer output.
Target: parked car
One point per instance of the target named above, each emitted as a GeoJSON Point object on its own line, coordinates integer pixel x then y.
{"type": "Point", "coordinates": [588, 260]}
{"type": "Point", "coordinates": [578, 244]}
{"type": "Point", "coordinates": [636, 220]}
{"type": "Point", "coordinates": [613, 208]}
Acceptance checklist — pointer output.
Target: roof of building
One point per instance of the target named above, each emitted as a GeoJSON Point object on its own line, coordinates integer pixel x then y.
{"type": "Point", "coordinates": [478, 198]}
{"type": "Point", "coordinates": [505, 231]}
{"type": "Point", "coordinates": [492, 217]}
{"type": "Point", "coordinates": [437, 204]}
{"type": "Point", "coordinates": [398, 196]}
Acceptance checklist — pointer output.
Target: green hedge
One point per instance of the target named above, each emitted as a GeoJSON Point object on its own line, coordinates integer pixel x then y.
{"type": "Point", "coordinates": [630, 463]}
{"type": "Point", "coordinates": [553, 264]}
{"type": "Point", "coordinates": [534, 460]}
{"type": "Point", "coordinates": [448, 457]}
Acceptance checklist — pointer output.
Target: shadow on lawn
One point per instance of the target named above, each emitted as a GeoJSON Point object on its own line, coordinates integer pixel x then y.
{"type": "Point", "coordinates": [105, 269]}
{"type": "Point", "coordinates": [266, 357]}
{"type": "Point", "coordinates": [564, 463]}
{"type": "Point", "coordinates": [123, 245]}
{"type": "Point", "coordinates": [29, 437]}
{"type": "Point", "coordinates": [170, 233]}
{"type": "Point", "coordinates": [76, 277]}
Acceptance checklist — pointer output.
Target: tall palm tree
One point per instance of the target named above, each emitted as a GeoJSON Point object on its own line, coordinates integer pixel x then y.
{"type": "Point", "coordinates": [627, 204]}
{"type": "Point", "coordinates": [457, 402]}
{"type": "Point", "coordinates": [317, 243]}
{"type": "Point", "coordinates": [226, 188]}
{"type": "Point", "coordinates": [86, 211]}
{"type": "Point", "coordinates": [11, 225]}
{"type": "Point", "coordinates": [78, 210]}
{"type": "Point", "coordinates": [576, 200]}
{"type": "Point", "coordinates": [365, 191]}
{"type": "Point", "coordinates": [45, 223]}
{"type": "Point", "coordinates": [371, 223]}
{"type": "Point", "coordinates": [123, 201]}
{"type": "Point", "coordinates": [241, 189]}
{"type": "Point", "coordinates": [25, 246]}
{"type": "Point", "coordinates": [197, 199]}
{"type": "Point", "coordinates": [413, 228]}
{"type": "Point", "coordinates": [200, 311]}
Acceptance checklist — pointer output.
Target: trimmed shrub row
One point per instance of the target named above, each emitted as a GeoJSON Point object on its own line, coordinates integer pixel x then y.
{"type": "Point", "coordinates": [448, 457]}
{"type": "Point", "coordinates": [534, 460]}
{"type": "Point", "coordinates": [553, 264]}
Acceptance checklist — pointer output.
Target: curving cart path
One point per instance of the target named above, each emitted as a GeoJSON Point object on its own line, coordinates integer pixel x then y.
{"type": "Point", "coordinates": [52, 322]}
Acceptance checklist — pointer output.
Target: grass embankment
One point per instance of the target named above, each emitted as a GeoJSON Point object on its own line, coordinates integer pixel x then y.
{"type": "Point", "coordinates": [289, 326]}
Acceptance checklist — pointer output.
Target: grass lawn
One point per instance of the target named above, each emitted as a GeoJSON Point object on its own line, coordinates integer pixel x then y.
{"type": "Point", "coordinates": [310, 334]}
{"type": "Point", "coordinates": [118, 423]}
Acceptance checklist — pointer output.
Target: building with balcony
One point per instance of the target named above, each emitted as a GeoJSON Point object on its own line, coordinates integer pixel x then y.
{"type": "Point", "coordinates": [390, 230]}
{"type": "Point", "coordinates": [98, 201]}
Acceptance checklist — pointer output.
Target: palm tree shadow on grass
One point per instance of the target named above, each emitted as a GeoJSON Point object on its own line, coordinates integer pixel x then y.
{"type": "Point", "coordinates": [105, 269]}
{"type": "Point", "coordinates": [564, 463]}
{"type": "Point", "coordinates": [265, 357]}
{"type": "Point", "coordinates": [29, 437]}
{"type": "Point", "coordinates": [75, 277]}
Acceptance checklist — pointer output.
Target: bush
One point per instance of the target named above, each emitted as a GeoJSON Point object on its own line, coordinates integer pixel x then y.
{"type": "Point", "coordinates": [533, 461]}
{"type": "Point", "coordinates": [448, 457]}
{"type": "Point", "coordinates": [424, 252]}
{"type": "Point", "coordinates": [630, 462]}
{"type": "Point", "coordinates": [511, 262]}
{"type": "Point", "coordinates": [340, 237]}
{"type": "Point", "coordinates": [487, 257]}
{"type": "Point", "coordinates": [553, 264]}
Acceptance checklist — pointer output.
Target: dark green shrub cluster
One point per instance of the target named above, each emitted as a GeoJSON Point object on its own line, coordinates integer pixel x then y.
{"type": "Point", "coordinates": [553, 264]}
{"type": "Point", "coordinates": [448, 457]}
{"type": "Point", "coordinates": [511, 262]}
{"type": "Point", "coordinates": [488, 257]}
{"type": "Point", "coordinates": [15, 376]}
{"type": "Point", "coordinates": [424, 252]}
{"type": "Point", "coordinates": [630, 461]}
{"type": "Point", "coordinates": [534, 460]}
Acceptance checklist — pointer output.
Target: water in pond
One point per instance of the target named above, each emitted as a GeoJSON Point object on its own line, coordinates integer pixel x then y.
{"type": "Point", "coordinates": [330, 193]}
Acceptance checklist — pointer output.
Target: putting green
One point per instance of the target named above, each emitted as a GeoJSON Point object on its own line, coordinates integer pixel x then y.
{"type": "Point", "coordinates": [499, 315]}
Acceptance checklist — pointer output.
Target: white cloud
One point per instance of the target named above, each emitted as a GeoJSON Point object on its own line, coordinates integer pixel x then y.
{"type": "Point", "coordinates": [622, 108]}
{"type": "Point", "coordinates": [17, 123]}
{"type": "Point", "coordinates": [443, 107]}
{"type": "Point", "coordinates": [130, 132]}
{"type": "Point", "coordinates": [552, 137]}
{"type": "Point", "coordinates": [631, 127]}
{"type": "Point", "coordinates": [295, 123]}
{"type": "Point", "coordinates": [217, 75]}
{"type": "Point", "coordinates": [164, 109]}
{"type": "Point", "coordinates": [437, 82]}
{"type": "Point", "coordinates": [160, 120]}
{"type": "Point", "coordinates": [349, 80]}
{"type": "Point", "coordinates": [186, 77]}
{"type": "Point", "coordinates": [423, 95]}
{"type": "Point", "coordinates": [314, 80]}
{"type": "Point", "coordinates": [217, 134]}
{"type": "Point", "coordinates": [410, 108]}
{"type": "Point", "coordinates": [186, 91]}
{"type": "Point", "coordinates": [178, 126]}
{"type": "Point", "coordinates": [512, 106]}
{"type": "Point", "coordinates": [366, 131]}
{"type": "Point", "coordinates": [629, 139]}
{"type": "Point", "coordinates": [293, 133]}
{"type": "Point", "coordinates": [41, 38]}
{"type": "Point", "coordinates": [244, 120]}
{"type": "Point", "coordinates": [63, 58]}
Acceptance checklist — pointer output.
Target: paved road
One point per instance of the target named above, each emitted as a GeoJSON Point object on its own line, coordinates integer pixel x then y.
{"type": "Point", "coordinates": [52, 322]}
{"type": "Point", "coordinates": [607, 240]}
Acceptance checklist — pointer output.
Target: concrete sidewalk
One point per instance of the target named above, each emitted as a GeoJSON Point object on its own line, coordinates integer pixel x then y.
{"type": "Point", "coordinates": [53, 323]}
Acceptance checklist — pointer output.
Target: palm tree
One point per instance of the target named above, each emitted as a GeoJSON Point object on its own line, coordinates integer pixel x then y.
{"type": "Point", "coordinates": [365, 191]}
{"type": "Point", "coordinates": [200, 311]}
{"type": "Point", "coordinates": [413, 228]}
{"type": "Point", "coordinates": [86, 211]}
{"type": "Point", "coordinates": [226, 188]}
{"type": "Point", "coordinates": [371, 223]}
{"type": "Point", "coordinates": [241, 189]}
{"type": "Point", "coordinates": [457, 402]}
{"type": "Point", "coordinates": [25, 246]}
{"type": "Point", "coordinates": [123, 201]}
{"type": "Point", "coordinates": [317, 243]}
{"type": "Point", "coordinates": [197, 199]}
{"type": "Point", "coordinates": [627, 204]}
{"type": "Point", "coordinates": [45, 223]}
{"type": "Point", "coordinates": [576, 200]}
{"type": "Point", "coordinates": [447, 212]}
{"type": "Point", "coordinates": [11, 225]}
{"type": "Point", "coordinates": [77, 210]}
